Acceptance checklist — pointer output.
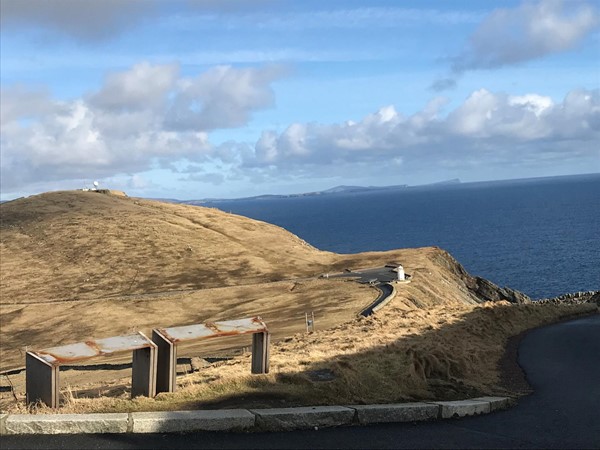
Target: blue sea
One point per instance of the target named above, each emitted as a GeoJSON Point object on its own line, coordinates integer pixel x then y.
{"type": "Point", "coordinates": [539, 236]}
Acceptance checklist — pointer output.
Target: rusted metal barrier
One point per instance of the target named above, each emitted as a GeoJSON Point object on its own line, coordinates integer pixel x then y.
{"type": "Point", "coordinates": [42, 366]}
{"type": "Point", "coordinates": [166, 339]}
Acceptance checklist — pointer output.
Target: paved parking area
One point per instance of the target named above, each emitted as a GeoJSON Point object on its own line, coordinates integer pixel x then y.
{"type": "Point", "coordinates": [375, 275]}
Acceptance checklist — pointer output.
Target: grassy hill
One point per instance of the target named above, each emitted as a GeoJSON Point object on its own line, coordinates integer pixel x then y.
{"type": "Point", "coordinates": [81, 245]}
{"type": "Point", "coordinates": [75, 245]}
{"type": "Point", "coordinates": [77, 265]}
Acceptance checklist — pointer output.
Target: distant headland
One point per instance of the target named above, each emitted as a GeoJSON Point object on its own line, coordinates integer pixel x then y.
{"type": "Point", "coordinates": [349, 190]}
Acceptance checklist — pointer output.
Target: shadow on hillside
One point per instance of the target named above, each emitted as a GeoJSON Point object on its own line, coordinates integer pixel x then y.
{"type": "Point", "coordinates": [449, 361]}
{"type": "Point", "coordinates": [237, 272]}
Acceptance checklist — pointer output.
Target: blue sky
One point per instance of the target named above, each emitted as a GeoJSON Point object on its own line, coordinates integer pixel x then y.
{"type": "Point", "coordinates": [201, 98]}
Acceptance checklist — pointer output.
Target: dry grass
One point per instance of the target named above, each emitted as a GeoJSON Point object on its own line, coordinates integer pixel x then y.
{"type": "Point", "coordinates": [53, 246]}
{"type": "Point", "coordinates": [282, 305]}
{"type": "Point", "coordinates": [79, 265]}
{"type": "Point", "coordinates": [83, 245]}
{"type": "Point", "coordinates": [71, 245]}
{"type": "Point", "coordinates": [442, 353]}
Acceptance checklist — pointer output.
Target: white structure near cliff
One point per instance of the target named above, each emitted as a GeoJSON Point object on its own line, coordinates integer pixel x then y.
{"type": "Point", "coordinates": [401, 276]}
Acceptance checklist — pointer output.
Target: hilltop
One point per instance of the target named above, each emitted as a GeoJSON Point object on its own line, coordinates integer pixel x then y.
{"type": "Point", "coordinates": [76, 245]}
{"type": "Point", "coordinates": [80, 245]}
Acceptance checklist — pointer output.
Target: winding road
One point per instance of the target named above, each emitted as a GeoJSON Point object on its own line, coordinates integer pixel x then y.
{"type": "Point", "coordinates": [379, 277]}
{"type": "Point", "coordinates": [562, 363]}
{"type": "Point", "coordinates": [386, 290]}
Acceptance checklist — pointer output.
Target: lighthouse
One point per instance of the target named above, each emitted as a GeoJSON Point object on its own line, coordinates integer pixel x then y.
{"type": "Point", "coordinates": [401, 273]}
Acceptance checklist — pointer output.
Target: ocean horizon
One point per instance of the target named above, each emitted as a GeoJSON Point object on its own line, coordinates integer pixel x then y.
{"type": "Point", "coordinates": [539, 236]}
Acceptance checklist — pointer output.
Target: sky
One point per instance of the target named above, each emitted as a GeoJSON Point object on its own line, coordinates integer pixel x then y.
{"type": "Point", "coordinates": [193, 99]}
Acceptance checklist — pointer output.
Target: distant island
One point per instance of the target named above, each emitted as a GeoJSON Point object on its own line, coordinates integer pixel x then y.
{"type": "Point", "coordinates": [345, 190]}
{"type": "Point", "coordinates": [337, 190]}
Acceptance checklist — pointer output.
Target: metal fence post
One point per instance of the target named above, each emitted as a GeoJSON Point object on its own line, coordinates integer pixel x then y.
{"type": "Point", "coordinates": [143, 373]}
{"type": "Point", "coordinates": [41, 381]}
{"type": "Point", "coordinates": [260, 352]}
{"type": "Point", "coordinates": [166, 367]}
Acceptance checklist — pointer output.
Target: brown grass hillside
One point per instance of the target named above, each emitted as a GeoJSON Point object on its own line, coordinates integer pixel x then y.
{"type": "Point", "coordinates": [79, 265]}
{"type": "Point", "coordinates": [82, 245]}
{"type": "Point", "coordinates": [75, 245]}
{"type": "Point", "coordinates": [83, 265]}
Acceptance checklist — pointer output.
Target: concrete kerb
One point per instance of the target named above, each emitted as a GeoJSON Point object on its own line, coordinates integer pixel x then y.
{"type": "Point", "coordinates": [462, 408]}
{"type": "Point", "coordinates": [185, 421]}
{"type": "Point", "coordinates": [400, 412]}
{"type": "Point", "coordinates": [276, 419]}
{"type": "Point", "coordinates": [66, 423]}
{"type": "Point", "coordinates": [284, 419]}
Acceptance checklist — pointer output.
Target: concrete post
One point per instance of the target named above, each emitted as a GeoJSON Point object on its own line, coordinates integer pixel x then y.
{"type": "Point", "coordinates": [143, 374]}
{"type": "Point", "coordinates": [41, 381]}
{"type": "Point", "coordinates": [260, 352]}
{"type": "Point", "coordinates": [166, 367]}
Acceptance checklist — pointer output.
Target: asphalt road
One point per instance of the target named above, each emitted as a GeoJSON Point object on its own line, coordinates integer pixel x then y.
{"type": "Point", "coordinates": [562, 363]}
{"type": "Point", "coordinates": [386, 291]}
{"type": "Point", "coordinates": [376, 275]}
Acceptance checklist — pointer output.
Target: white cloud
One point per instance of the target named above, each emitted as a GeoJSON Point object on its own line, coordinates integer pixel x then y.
{"type": "Point", "coordinates": [222, 97]}
{"type": "Point", "coordinates": [143, 86]}
{"type": "Point", "coordinates": [486, 128]}
{"type": "Point", "coordinates": [514, 35]}
{"type": "Point", "coordinates": [121, 130]}
{"type": "Point", "coordinates": [533, 102]}
{"type": "Point", "coordinates": [529, 31]}
{"type": "Point", "coordinates": [127, 126]}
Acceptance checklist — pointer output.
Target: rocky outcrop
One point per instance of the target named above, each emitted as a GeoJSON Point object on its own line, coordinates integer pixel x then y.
{"type": "Point", "coordinates": [484, 290]}
{"type": "Point", "coordinates": [575, 298]}
{"type": "Point", "coordinates": [489, 291]}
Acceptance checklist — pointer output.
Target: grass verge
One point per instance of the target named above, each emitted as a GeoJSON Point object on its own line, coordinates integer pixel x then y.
{"type": "Point", "coordinates": [442, 353]}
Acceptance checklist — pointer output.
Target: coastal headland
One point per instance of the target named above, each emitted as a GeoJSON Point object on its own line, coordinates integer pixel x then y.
{"type": "Point", "coordinates": [80, 265]}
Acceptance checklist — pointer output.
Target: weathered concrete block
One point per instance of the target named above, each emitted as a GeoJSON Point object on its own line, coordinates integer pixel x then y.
{"type": "Point", "coordinates": [497, 403]}
{"type": "Point", "coordinates": [3, 424]}
{"type": "Point", "coordinates": [302, 418]}
{"type": "Point", "coordinates": [66, 423]}
{"type": "Point", "coordinates": [400, 412]}
{"type": "Point", "coordinates": [461, 408]}
{"type": "Point", "coordinates": [181, 421]}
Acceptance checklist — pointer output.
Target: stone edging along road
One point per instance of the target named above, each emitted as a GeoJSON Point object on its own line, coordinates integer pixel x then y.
{"type": "Point", "coordinates": [277, 419]}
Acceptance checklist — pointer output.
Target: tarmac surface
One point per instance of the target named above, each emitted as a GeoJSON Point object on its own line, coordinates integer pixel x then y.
{"type": "Point", "coordinates": [372, 275]}
{"type": "Point", "coordinates": [562, 363]}
{"type": "Point", "coordinates": [381, 277]}
{"type": "Point", "coordinates": [386, 290]}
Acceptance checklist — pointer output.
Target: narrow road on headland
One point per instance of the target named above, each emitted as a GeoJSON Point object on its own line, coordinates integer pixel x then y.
{"type": "Point", "coordinates": [386, 290]}
{"type": "Point", "coordinates": [562, 363]}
